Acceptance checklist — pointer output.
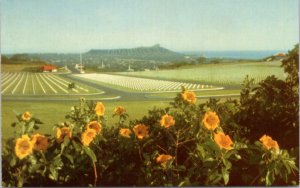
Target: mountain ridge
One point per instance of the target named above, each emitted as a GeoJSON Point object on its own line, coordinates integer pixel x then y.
{"type": "Point", "coordinates": [155, 52]}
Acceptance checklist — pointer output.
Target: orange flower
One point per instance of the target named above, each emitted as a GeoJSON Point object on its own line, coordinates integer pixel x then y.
{"type": "Point", "coordinates": [94, 125]}
{"type": "Point", "coordinates": [189, 96]}
{"type": "Point", "coordinates": [88, 136]}
{"type": "Point", "coordinates": [40, 142]}
{"type": "Point", "coordinates": [120, 110]}
{"type": "Point", "coordinates": [26, 116]}
{"type": "Point", "coordinates": [167, 121]}
{"type": "Point", "coordinates": [141, 131]}
{"type": "Point", "coordinates": [125, 132]}
{"type": "Point", "coordinates": [61, 133]}
{"type": "Point", "coordinates": [23, 147]}
{"type": "Point", "coordinates": [211, 120]}
{"type": "Point", "coordinates": [223, 141]}
{"type": "Point", "coordinates": [99, 109]}
{"type": "Point", "coordinates": [163, 159]}
{"type": "Point", "coordinates": [269, 143]}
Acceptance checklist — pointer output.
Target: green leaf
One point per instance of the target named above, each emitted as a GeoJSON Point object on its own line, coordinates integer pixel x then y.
{"type": "Point", "coordinates": [38, 121]}
{"type": "Point", "coordinates": [23, 129]}
{"type": "Point", "coordinates": [13, 162]}
{"type": "Point", "coordinates": [13, 124]}
{"type": "Point", "coordinates": [201, 151]}
{"type": "Point", "coordinates": [53, 173]}
{"type": "Point", "coordinates": [90, 153]}
{"type": "Point", "coordinates": [76, 146]}
{"type": "Point", "coordinates": [227, 163]}
{"type": "Point", "coordinates": [229, 153]}
{"type": "Point", "coordinates": [186, 182]}
{"type": "Point", "coordinates": [64, 144]}
{"type": "Point", "coordinates": [225, 175]}
{"type": "Point", "coordinates": [269, 178]}
{"type": "Point", "coordinates": [69, 157]}
{"type": "Point", "coordinates": [238, 156]}
{"type": "Point", "coordinates": [36, 126]}
{"type": "Point", "coordinates": [58, 162]}
{"type": "Point", "coordinates": [34, 168]}
{"type": "Point", "coordinates": [212, 146]}
{"type": "Point", "coordinates": [30, 127]}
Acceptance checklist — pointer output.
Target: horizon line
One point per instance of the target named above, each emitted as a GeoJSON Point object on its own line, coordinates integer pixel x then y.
{"type": "Point", "coordinates": [179, 51]}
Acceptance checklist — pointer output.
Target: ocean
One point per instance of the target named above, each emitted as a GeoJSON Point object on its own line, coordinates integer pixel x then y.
{"type": "Point", "coordinates": [234, 54]}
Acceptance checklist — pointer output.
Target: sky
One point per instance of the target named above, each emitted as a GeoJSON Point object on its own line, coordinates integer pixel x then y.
{"type": "Point", "coordinates": [72, 26]}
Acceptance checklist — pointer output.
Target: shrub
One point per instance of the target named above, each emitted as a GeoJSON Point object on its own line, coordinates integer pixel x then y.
{"type": "Point", "coordinates": [273, 108]}
{"type": "Point", "coordinates": [185, 144]}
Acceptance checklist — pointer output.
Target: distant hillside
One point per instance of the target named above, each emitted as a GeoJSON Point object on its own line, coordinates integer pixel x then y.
{"type": "Point", "coordinates": [21, 59]}
{"type": "Point", "coordinates": [143, 53]}
{"type": "Point", "coordinates": [21, 62]}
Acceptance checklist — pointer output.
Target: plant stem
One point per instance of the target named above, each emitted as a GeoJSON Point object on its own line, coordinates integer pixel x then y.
{"type": "Point", "coordinates": [182, 131]}
{"type": "Point", "coordinates": [161, 148]}
{"type": "Point", "coordinates": [176, 153]}
{"type": "Point", "coordinates": [43, 156]}
{"type": "Point", "coordinates": [183, 142]}
{"type": "Point", "coordinates": [176, 150]}
{"type": "Point", "coordinates": [140, 152]}
{"type": "Point", "coordinates": [95, 173]}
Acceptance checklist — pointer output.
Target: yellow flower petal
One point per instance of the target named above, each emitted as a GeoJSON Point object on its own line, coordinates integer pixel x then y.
{"type": "Point", "coordinates": [40, 142]}
{"type": "Point", "coordinates": [120, 110]}
{"type": "Point", "coordinates": [88, 136]}
{"type": "Point", "coordinates": [61, 133]}
{"type": "Point", "coordinates": [141, 131]}
{"type": "Point", "coordinates": [163, 159]}
{"type": "Point", "coordinates": [223, 141]}
{"type": "Point", "coordinates": [189, 96]}
{"type": "Point", "coordinates": [94, 125]}
{"type": "Point", "coordinates": [167, 121]}
{"type": "Point", "coordinates": [26, 116]}
{"type": "Point", "coordinates": [99, 109]}
{"type": "Point", "coordinates": [211, 120]}
{"type": "Point", "coordinates": [269, 143]}
{"type": "Point", "coordinates": [125, 132]}
{"type": "Point", "coordinates": [23, 147]}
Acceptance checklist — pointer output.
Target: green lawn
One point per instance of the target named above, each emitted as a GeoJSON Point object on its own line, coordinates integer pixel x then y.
{"type": "Point", "coordinates": [53, 112]}
{"type": "Point", "coordinates": [25, 83]}
{"type": "Point", "coordinates": [218, 74]}
{"type": "Point", "coordinates": [14, 67]}
{"type": "Point", "coordinates": [198, 93]}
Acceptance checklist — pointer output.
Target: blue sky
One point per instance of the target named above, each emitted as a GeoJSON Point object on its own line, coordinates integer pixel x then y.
{"type": "Point", "coordinates": [181, 25]}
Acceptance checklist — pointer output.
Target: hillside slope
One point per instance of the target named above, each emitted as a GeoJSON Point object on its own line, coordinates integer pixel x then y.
{"type": "Point", "coordinates": [143, 53]}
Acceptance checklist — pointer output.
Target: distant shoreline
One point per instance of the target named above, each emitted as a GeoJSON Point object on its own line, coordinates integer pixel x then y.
{"type": "Point", "coordinates": [250, 54]}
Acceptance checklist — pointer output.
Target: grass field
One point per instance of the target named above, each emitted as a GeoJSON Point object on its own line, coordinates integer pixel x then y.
{"type": "Point", "coordinates": [198, 93]}
{"type": "Point", "coordinates": [20, 67]}
{"type": "Point", "coordinates": [219, 74]}
{"type": "Point", "coordinates": [26, 83]}
{"type": "Point", "coordinates": [53, 112]}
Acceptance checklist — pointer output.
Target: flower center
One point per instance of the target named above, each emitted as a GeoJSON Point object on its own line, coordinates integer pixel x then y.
{"type": "Point", "coordinates": [24, 145]}
{"type": "Point", "coordinates": [211, 120]}
{"type": "Point", "coordinates": [90, 134]}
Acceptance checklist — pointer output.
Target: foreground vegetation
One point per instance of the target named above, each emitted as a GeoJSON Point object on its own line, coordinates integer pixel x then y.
{"type": "Point", "coordinates": [53, 112]}
{"type": "Point", "coordinates": [253, 142]}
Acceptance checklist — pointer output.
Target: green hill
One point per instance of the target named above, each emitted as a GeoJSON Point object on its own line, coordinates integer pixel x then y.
{"type": "Point", "coordinates": [21, 62]}
{"type": "Point", "coordinates": [143, 53]}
